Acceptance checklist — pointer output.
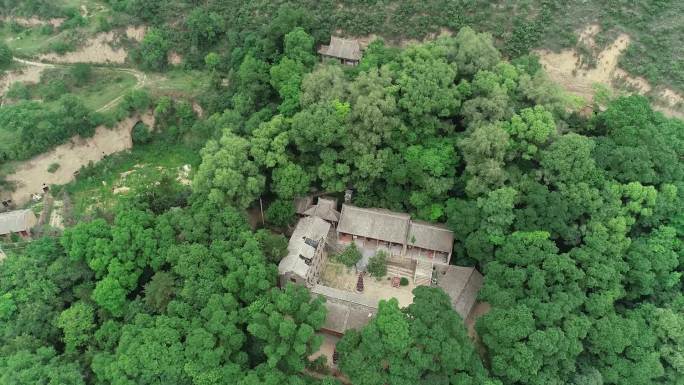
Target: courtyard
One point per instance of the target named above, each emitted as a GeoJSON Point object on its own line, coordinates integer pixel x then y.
{"type": "Point", "coordinates": [338, 276]}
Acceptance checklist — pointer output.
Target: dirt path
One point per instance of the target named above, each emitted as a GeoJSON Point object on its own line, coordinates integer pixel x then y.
{"type": "Point", "coordinates": [29, 74]}
{"type": "Point", "coordinates": [141, 79]}
{"type": "Point", "coordinates": [36, 68]}
{"type": "Point", "coordinates": [30, 175]}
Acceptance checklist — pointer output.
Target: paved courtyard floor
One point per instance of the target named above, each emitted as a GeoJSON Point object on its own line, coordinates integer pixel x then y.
{"type": "Point", "coordinates": [340, 277]}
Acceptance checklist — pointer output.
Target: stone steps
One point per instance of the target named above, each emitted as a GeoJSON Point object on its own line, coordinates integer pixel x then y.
{"type": "Point", "coordinates": [399, 271]}
{"type": "Point", "coordinates": [422, 281]}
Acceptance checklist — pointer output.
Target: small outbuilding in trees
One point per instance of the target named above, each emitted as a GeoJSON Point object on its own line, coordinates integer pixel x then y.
{"type": "Point", "coordinates": [346, 51]}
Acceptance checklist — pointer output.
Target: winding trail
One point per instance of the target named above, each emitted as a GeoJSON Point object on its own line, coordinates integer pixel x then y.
{"type": "Point", "coordinates": [141, 77]}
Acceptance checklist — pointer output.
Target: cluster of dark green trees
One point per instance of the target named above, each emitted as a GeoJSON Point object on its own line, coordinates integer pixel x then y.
{"type": "Point", "coordinates": [576, 222]}
{"type": "Point", "coordinates": [37, 127]}
{"type": "Point", "coordinates": [184, 297]}
{"type": "Point", "coordinates": [192, 29]}
{"type": "Point", "coordinates": [33, 127]}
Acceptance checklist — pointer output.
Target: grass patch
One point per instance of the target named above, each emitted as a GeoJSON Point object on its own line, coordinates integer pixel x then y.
{"type": "Point", "coordinates": [94, 186]}
{"type": "Point", "coordinates": [108, 84]}
{"type": "Point", "coordinates": [29, 41]}
{"type": "Point", "coordinates": [103, 86]}
{"type": "Point", "coordinates": [53, 168]}
{"type": "Point", "coordinates": [188, 84]}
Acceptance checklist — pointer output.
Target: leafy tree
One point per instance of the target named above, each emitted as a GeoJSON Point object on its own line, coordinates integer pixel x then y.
{"type": "Point", "coordinates": [537, 293]}
{"type": "Point", "coordinates": [474, 52]}
{"type": "Point", "coordinates": [156, 342]}
{"type": "Point", "coordinates": [496, 213]}
{"type": "Point", "coordinates": [429, 174]}
{"type": "Point", "coordinates": [377, 264]}
{"type": "Point", "coordinates": [427, 84]}
{"type": "Point", "coordinates": [269, 143]}
{"type": "Point", "coordinates": [640, 144]}
{"type": "Point", "coordinates": [78, 324]}
{"type": "Point", "coordinates": [253, 89]}
{"type": "Point", "coordinates": [159, 291]}
{"type": "Point", "coordinates": [324, 84]}
{"type": "Point", "coordinates": [110, 295]}
{"type": "Point", "coordinates": [290, 181]}
{"type": "Point", "coordinates": [623, 349]}
{"type": "Point", "coordinates": [36, 287]}
{"type": "Point", "coordinates": [281, 212]}
{"type": "Point", "coordinates": [141, 133]}
{"type": "Point", "coordinates": [5, 55]}
{"type": "Point", "coordinates": [273, 245]}
{"type": "Point", "coordinates": [227, 175]}
{"type": "Point", "coordinates": [204, 28]}
{"type": "Point", "coordinates": [299, 46]}
{"type": "Point", "coordinates": [376, 54]}
{"type": "Point", "coordinates": [286, 78]}
{"type": "Point", "coordinates": [350, 255]}
{"type": "Point", "coordinates": [654, 262]}
{"type": "Point", "coordinates": [285, 321]}
{"type": "Point", "coordinates": [484, 151]}
{"type": "Point", "coordinates": [42, 366]}
{"type": "Point", "coordinates": [424, 343]}
{"type": "Point", "coordinates": [492, 95]}
{"type": "Point", "coordinates": [153, 50]}
{"type": "Point", "coordinates": [531, 129]}
{"type": "Point", "coordinates": [568, 160]}
{"type": "Point", "coordinates": [81, 72]}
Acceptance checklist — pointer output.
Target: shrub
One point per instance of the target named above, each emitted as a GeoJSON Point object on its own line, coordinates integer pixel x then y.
{"type": "Point", "coordinates": [141, 133]}
{"type": "Point", "coordinates": [46, 29]}
{"type": "Point", "coordinates": [5, 55]}
{"type": "Point", "coordinates": [102, 23]}
{"type": "Point", "coordinates": [404, 281]}
{"type": "Point", "coordinates": [19, 91]}
{"type": "Point", "coordinates": [280, 213]}
{"type": "Point", "coordinates": [136, 100]}
{"type": "Point", "coordinates": [61, 47]}
{"type": "Point", "coordinates": [377, 264]}
{"type": "Point", "coordinates": [272, 244]}
{"type": "Point", "coordinates": [52, 168]}
{"type": "Point", "coordinates": [81, 72]}
{"type": "Point", "coordinates": [16, 27]}
{"type": "Point", "coordinates": [53, 90]}
{"type": "Point", "coordinates": [350, 256]}
{"type": "Point", "coordinates": [153, 50]}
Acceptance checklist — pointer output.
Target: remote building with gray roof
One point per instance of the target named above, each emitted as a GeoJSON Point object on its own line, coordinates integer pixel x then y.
{"type": "Point", "coordinates": [346, 51]}
{"type": "Point", "coordinates": [17, 222]}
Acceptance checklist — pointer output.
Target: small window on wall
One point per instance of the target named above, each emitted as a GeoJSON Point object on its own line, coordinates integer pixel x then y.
{"type": "Point", "coordinates": [293, 280]}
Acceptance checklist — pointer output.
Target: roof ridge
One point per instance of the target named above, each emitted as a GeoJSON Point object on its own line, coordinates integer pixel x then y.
{"type": "Point", "coordinates": [380, 211]}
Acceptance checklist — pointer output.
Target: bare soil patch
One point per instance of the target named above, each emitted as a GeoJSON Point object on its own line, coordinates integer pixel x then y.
{"type": "Point", "coordinates": [566, 68]}
{"type": "Point", "coordinates": [174, 58]}
{"type": "Point", "coordinates": [30, 175]}
{"type": "Point", "coordinates": [28, 74]}
{"type": "Point", "coordinates": [33, 21]}
{"type": "Point", "coordinates": [98, 49]}
{"type": "Point", "coordinates": [136, 33]}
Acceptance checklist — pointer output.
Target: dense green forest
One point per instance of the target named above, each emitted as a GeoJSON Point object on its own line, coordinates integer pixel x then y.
{"type": "Point", "coordinates": [575, 220]}
{"type": "Point", "coordinates": [655, 53]}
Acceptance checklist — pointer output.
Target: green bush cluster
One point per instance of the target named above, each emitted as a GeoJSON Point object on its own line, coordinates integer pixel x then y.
{"type": "Point", "coordinates": [377, 264]}
{"type": "Point", "coordinates": [350, 256]}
